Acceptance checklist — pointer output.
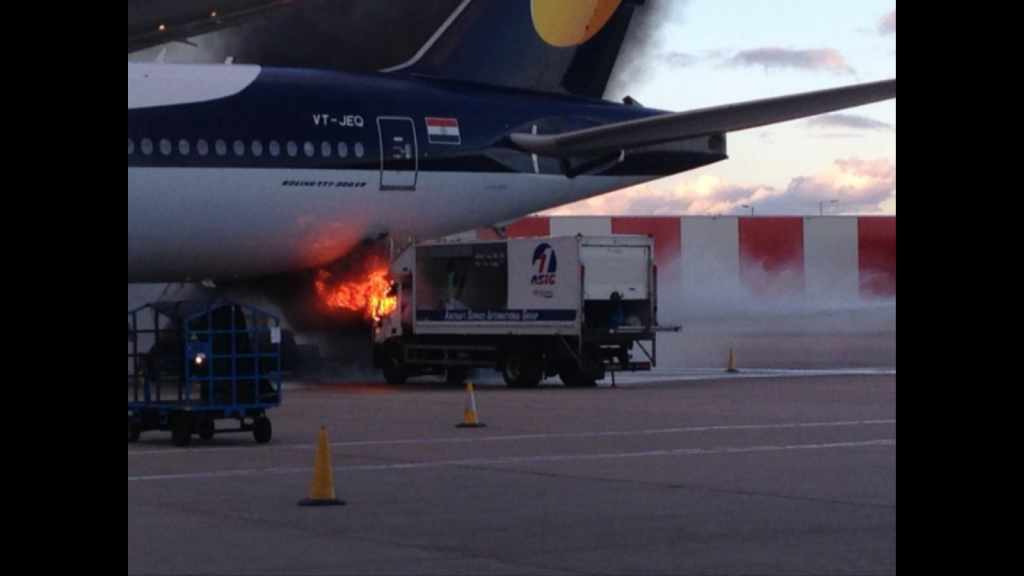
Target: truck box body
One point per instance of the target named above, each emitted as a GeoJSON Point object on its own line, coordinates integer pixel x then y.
{"type": "Point", "coordinates": [576, 304]}
{"type": "Point", "coordinates": [525, 287]}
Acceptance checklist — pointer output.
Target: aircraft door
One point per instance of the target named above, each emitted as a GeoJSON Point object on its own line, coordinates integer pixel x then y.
{"type": "Point", "coordinates": [399, 154]}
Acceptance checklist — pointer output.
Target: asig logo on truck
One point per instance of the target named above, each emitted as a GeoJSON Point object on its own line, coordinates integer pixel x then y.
{"type": "Point", "coordinates": [545, 264]}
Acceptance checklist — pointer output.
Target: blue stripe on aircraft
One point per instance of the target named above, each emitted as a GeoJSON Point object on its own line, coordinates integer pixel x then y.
{"type": "Point", "coordinates": [340, 110]}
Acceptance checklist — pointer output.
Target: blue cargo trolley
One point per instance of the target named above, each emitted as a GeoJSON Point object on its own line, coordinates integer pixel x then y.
{"type": "Point", "coordinates": [191, 364]}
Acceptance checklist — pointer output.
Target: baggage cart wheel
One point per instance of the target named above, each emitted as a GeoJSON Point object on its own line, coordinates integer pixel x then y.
{"type": "Point", "coordinates": [134, 432]}
{"type": "Point", "coordinates": [207, 430]}
{"type": "Point", "coordinates": [181, 433]}
{"type": "Point", "coordinates": [263, 431]}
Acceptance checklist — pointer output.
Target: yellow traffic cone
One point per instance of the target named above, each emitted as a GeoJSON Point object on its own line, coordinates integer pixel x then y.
{"type": "Point", "coordinates": [733, 369]}
{"type": "Point", "coordinates": [471, 419]}
{"type": "Point", "coordinates": [322, 492]}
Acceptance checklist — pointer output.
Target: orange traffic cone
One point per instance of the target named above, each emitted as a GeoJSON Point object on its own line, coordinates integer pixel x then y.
{"type": "Point", "coordinates": [471, 419]}
{"type": "Point", "coordinates": [322, 492]}
{"type": "Point", "coordinates": [733, 369]}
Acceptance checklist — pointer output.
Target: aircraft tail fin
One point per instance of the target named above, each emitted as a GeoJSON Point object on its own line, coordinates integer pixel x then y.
{"type": "Point", "coordinates": [557, 46]}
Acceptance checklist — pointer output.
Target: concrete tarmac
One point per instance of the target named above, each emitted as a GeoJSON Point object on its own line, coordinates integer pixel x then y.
{"type": "Point", "coordinates": [678, 473]}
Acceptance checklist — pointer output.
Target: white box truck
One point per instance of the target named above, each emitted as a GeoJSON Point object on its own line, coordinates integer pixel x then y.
{"type": "Point", "coordinates": [578, 308]}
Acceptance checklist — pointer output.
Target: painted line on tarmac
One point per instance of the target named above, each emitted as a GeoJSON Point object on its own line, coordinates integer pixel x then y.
{"type": "Point", "coordinates": [712, 375]}
{"type": "Point", "coordinates": [515, 460]}
{"type": "Point", "coordinates": [525, 437]}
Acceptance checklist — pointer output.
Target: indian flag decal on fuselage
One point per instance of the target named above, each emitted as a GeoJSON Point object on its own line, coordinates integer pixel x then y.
{"type": "Point", "coordinates": [444, 131]}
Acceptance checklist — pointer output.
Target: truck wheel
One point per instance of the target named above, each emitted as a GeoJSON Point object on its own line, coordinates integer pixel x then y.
{"type": "Point", "coordinates": [134, 432]}
{"type": "Point", "coordinates": [520, 370]}
{"type": "Point", "coordinates": [396, 372]}
{"type": "Point", "coordinates": [572, 377]}
{"type": "Point", "coordinates": [181, 433]}
{"type": "Point", "coordinates": [263, 432]}
{"type": "Point", "coordinates": [207, 430]}
{"type": "Point", "coordinates": [456, 376]}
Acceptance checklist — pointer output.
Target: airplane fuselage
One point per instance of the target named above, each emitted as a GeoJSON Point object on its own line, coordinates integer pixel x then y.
{"type": "Point", "coordinates": [241, 172]}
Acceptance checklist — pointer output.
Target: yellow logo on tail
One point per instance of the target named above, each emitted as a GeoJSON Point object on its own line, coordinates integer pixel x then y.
{"type": "Point", "coordinates": [567, 23]}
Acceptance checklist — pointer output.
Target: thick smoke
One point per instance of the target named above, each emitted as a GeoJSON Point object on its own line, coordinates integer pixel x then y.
{"type": "Point", "coordinates": [645, 45]}
{"type": "Point", "coordinates": [344, 338]}
{"type": "Point", "coordinates": [777, 319]}
{"type": "Point", "coordinates": [321, 340]}
{"type": "Point", "coordinates": [356, 35]}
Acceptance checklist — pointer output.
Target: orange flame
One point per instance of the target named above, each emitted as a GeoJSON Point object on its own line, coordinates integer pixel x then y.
{"type": "Point", "coordinates": [370, 296]}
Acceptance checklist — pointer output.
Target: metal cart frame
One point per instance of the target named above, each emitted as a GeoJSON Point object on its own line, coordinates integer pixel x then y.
{"type": "Point", "coordinates": [192, 364]}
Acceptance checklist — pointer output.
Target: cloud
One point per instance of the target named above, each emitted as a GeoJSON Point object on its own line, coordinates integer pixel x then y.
{"type": "Point", "coordinates": [678, 59]}
{"type": "Point", "coordinates": [889, 206]}
{"type": "Point", "coordinates": [770, 58]}
{"type": "Point", "coordinates": [851, 122]}
{"type": "Point", "coordinates": [888, 25]}
{"type": "Point", "coordinates": [708, 195]}
{"type": "Point", "coordinates": [861, 186]}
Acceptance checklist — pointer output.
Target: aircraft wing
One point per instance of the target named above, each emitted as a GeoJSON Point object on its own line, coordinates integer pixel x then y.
{"type": "Point", "coordinates": [154, 22]}
{"type": "Point", "coordinates": [721, 120]}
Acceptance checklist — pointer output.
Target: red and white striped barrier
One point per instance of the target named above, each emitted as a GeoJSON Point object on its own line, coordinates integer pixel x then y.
{"type": "Point", "coordinates": [814, 258]}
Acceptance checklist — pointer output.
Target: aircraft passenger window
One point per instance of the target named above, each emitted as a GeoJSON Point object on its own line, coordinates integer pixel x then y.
{"type": "Point", "coordinates": [343, 150]}
{"type": "Point", "coordinates": [203, 147]}
{"type": "Point", "coordinates": [184, 148]}
{"type": "Point", "coordinates": [165, 147]}
{"type": "Point", "coordinates": [309, 149]}
{"type": "Point", "coordinates": [360, 150]}
{"type": "Point", "coordinates": [131, 147]}
{"type": "Point", "coordinates": [222, 148]}
{"type": "Point", "coordinates": [239, 148]}
{"type": "Point", "coordinates": [147, 147]}
{"type": "Point", "coordinates": [257, 149]}
{"type": "Point", "coordinates": [293, 149]}
{"type": "Point", "coordinates": [275, 149]}
{"type": "Point", "coordinates": [326, 149]}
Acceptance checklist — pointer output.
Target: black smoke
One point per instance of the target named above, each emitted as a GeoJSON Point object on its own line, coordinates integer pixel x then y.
{"type": "Point", "coordinates": [645, 45]}
{"type": "Point", "coordinates": [354, 35]}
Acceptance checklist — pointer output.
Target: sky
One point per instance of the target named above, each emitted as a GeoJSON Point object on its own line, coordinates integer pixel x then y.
{"type": "Point", "coordinates": [712, 52]}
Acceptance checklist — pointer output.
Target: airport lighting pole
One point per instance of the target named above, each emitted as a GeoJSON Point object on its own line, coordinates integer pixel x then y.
{"type": "Point", "coordinates": [827, 202]}
{"type": "Point", "coordinates": [751, 208]}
